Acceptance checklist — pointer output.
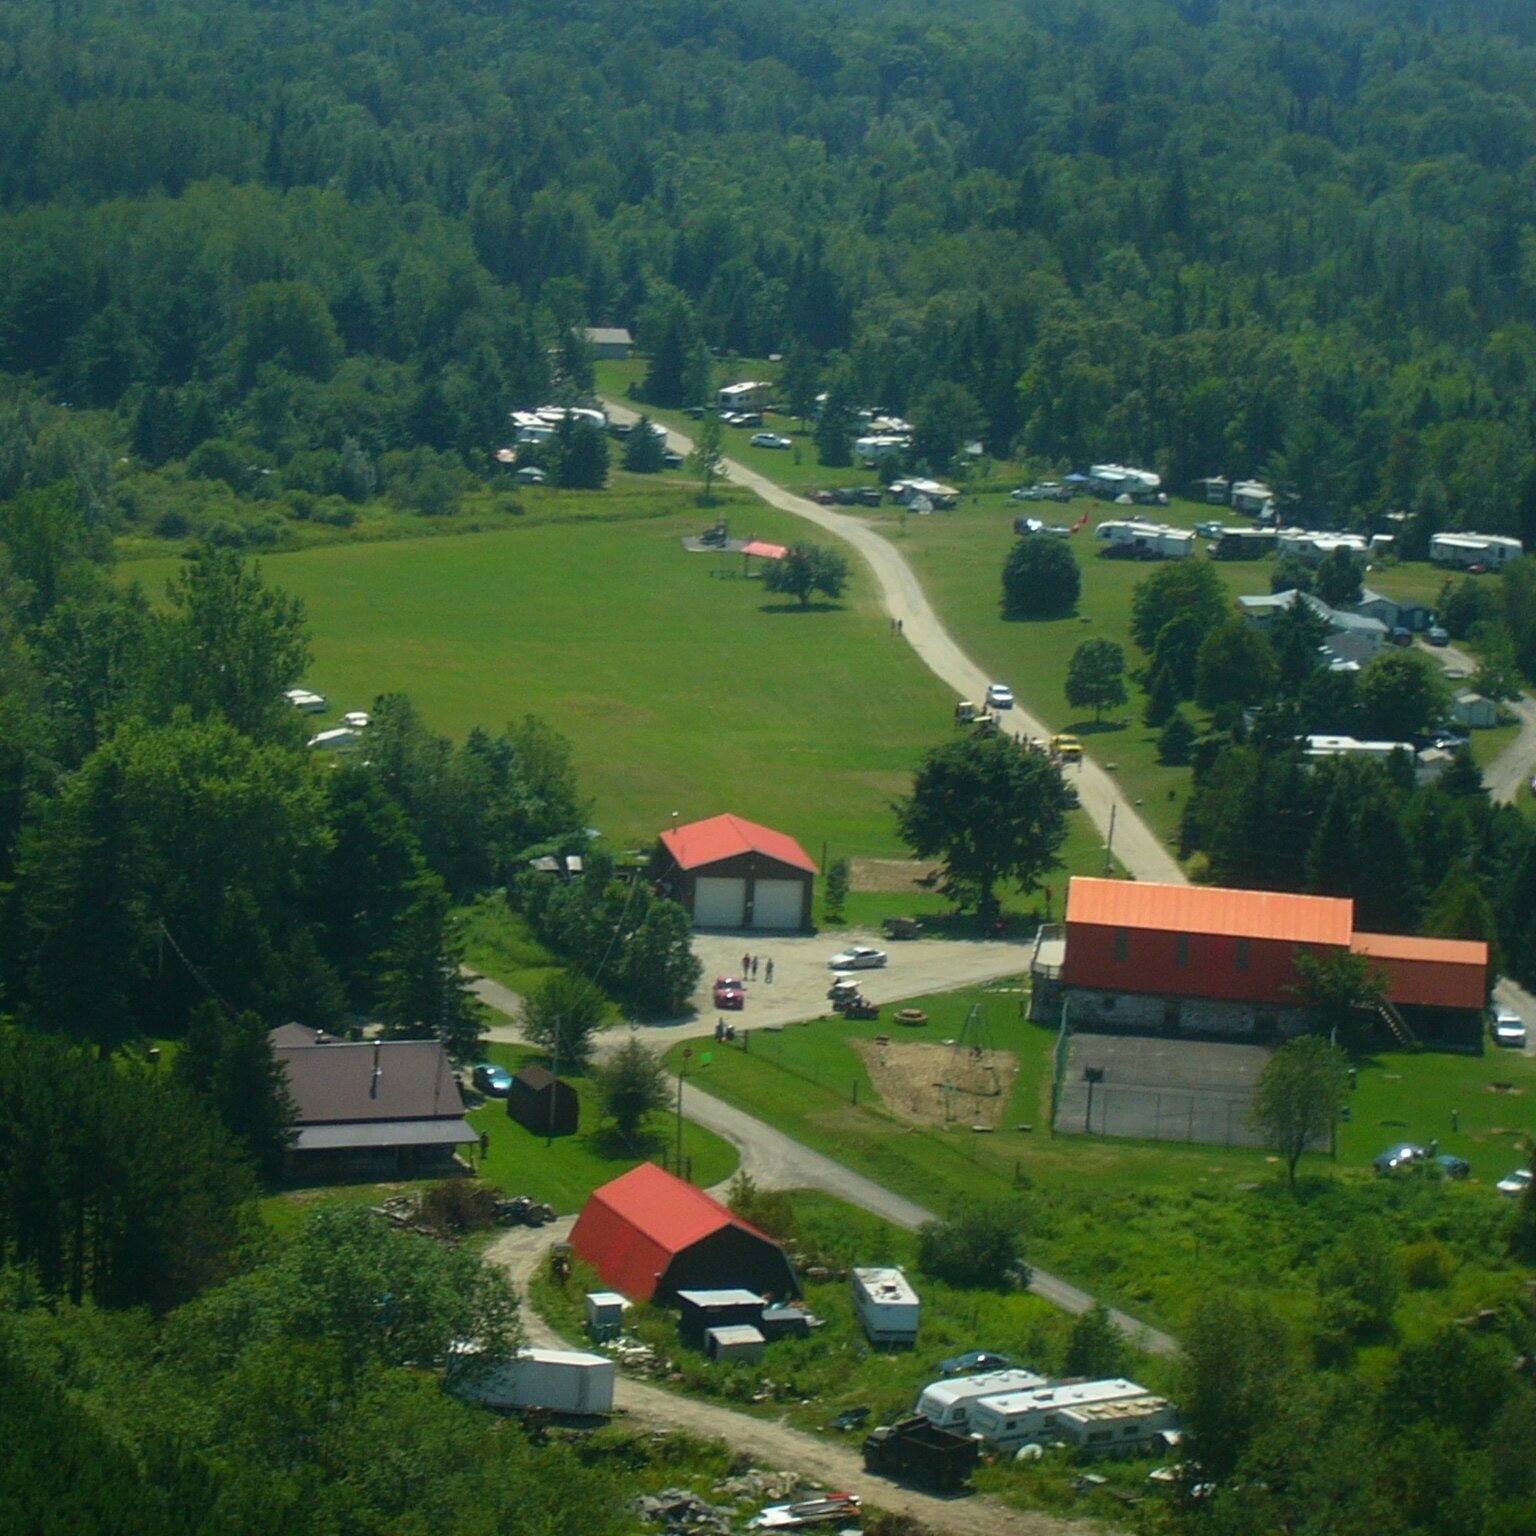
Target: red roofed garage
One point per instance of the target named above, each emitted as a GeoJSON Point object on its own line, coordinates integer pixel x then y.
{"type": "Point", "coordinates": [733, 873]}
{"type": "Point", "coordinates": [649, 1234]}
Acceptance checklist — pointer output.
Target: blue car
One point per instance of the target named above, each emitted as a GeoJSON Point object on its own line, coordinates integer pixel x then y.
{"type": "Point", "coordinates": [494, 1081]}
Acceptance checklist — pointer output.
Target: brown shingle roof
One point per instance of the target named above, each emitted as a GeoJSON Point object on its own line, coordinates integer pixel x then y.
{"type": "Point", "coordinates": [374, 1080]}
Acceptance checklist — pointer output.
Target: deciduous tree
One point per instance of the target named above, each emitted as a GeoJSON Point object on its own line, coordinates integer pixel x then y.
{"type": "Point", "coordinates": [562, 1015]}
{"type": "Point", "coordinates": [632, 1084]}
{"type": "Point", "coordinates": [991, 812]}
{"type": "Point", "coordinates": [806, 570]}
{"type": "Point", "coordinates": [1041, 579]}
{"type": "Point", "coordinates": [1300, 1092]}
{"type": "Point", "coordinates": [1096, 676]}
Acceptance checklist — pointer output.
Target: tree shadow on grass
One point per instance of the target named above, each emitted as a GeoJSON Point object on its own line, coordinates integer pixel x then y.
{"type": "Point", "coordinates": [610, 1143]}
{"type": "Point", "coordinates": [801, 608]}
{"type": "Point", "coordinates": [1097, 727]}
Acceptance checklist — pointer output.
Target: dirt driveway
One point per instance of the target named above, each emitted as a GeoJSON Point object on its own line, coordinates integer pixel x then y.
{"type": "Point", "coordinates": [773, 1443]}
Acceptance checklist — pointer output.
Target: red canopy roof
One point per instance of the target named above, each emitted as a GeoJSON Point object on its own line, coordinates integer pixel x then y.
{"type": "Point", "coordinates": [1429, 973]}
{"type": "Point", "coordinates": [767, 551]}
{"type": "Point", "coordinates": [1210, 909]}
{"type": "Point", "coordinates": [631, 1229]}
{"type": "Point", "coordinates": [728, 837]}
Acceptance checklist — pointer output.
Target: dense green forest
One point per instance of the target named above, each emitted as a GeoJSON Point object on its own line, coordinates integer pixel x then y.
{"type": "Point", "coordinates": [298, 253]}
{"type": "Point", "coordinates": [266, 262]}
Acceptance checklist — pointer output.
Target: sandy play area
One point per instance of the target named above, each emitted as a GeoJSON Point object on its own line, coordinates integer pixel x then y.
{"type": "Point", "coordinates": [938, 1085]}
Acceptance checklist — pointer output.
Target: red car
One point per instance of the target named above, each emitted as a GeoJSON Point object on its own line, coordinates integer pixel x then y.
{"type": "Point", "coordinates": [729, 993]}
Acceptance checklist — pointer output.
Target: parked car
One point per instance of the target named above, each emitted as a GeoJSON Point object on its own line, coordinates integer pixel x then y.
{"type": "Point", "coordinates": [1406, 1154]}
{"type": "Point", "coordinates": [869, 496]}
{"type": "Point", "coordinates": [999, 696]}
{"type": "Point", "coordinates": [492, 1080]}
{"type": "Point", "coordinates": [1507, 1027]}
{"type": "Point", "coordinates": [1453, 1167]}
{"type": "Point", "coordinates": [974, 1360]}
{"type": "Point", "coordinates": [858, 957]}
{"type": "Point", "coordinates": [672, 459]}
{"type": "Point", "coordinates": [848, 495]}
{"type": "Point", "coordinates": [1209, 530]}
{"type": "Point", "coordinates": [1516, 1183]}
{"type": "Point", "coordinates": [824, 498]}
{"type": "Point", "coordinates": [1401, 636]}
{"type": "Point", "coordinates": [771, 440]}
{"type": "Point", "coordinates": [1435, 635]}
{"type": "Point", "coordinates": [729, 993]}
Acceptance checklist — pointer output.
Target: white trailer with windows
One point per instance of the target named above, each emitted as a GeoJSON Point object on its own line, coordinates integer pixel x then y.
{"type": "Point", "coordinates": [748, 395]}
{"type": "Point", "coordinates": [948, 1403]}
{"type": "Point", "coordinates": [1035, 1417]}
{"type": "Point", "coordinates": [887, 1305]}
{"type": "Point", "coordinates": [1123, 1427]}
{"type": "Point", "coordinates": [1467, 549]}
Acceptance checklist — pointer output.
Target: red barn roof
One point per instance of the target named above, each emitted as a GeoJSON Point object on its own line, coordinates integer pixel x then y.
{"type": "Point", "coordinates": [632, 1229]}
{"type": "Point", "coordinates": [728, 837]}
{"type": "Point", "coordinates": [1429, 973]}
{"type": "Point", "coordinates": [1211, 909]}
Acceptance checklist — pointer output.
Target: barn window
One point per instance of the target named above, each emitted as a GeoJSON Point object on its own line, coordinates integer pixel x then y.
{"type": "Point", "coordinates": [1242, 954]}
{"type": "Point", "coordinates": [1181, 949]}
{"type": "Point", "coordinates": [1122, 944]}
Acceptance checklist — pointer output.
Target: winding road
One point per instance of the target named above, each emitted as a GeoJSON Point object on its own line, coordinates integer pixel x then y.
{"type": "Point", "coordinates": [1135, 844]}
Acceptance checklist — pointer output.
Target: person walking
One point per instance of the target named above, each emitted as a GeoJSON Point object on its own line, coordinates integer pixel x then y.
{"type": "Point", "coordinates": [746, 967]}
{"type": "Point", "coordinates": [768, 971]}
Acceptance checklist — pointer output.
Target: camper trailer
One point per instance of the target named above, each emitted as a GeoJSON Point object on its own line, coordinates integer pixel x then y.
{"type": "Point", "coordinates": [749, 395]}
{"type": "Point", "coordinates": [1039, 1417]}
{"type": "Point", "coordinates": [1464, 550]}
{"type": "Point", "coordinates": [948, 1403]}
{"type": "Point", "coordinates": [887, 1305]}
{"type": "Point", "coordinates": [1116, 480]}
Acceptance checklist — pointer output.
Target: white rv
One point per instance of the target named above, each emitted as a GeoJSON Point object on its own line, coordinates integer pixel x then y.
{"type": "Point", "coordinates": [870, 451]}
{"type": "Point", "coordinates": [948, 1403]}
{"type": "Point", "coordinates": [1039, 1416]}
{"type": "Point", "coordinates": [1467, 549]}
{"type": "Point", "coordinates": [749, 395]}
{"type": "Point", "coordinates": [1116, 480]}
{"type": "Point", "coordinates": [887, 1305]}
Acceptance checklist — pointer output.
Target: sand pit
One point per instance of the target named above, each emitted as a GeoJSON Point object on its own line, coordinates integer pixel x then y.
{"type": "Point", "coordinates": [893, 875]}
{"type": "Point", "coordinates": [910, 1079]}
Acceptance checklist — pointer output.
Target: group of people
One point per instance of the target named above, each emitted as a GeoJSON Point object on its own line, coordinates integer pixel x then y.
{"type": "Point", "coordinates": [749, 965]}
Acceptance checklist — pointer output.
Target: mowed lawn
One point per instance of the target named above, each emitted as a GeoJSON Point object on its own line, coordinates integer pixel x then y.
{"type": "Point", "coordinates": [682, 687]}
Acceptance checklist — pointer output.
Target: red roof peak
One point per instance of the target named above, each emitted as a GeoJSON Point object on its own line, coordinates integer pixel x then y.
{"type": "Point", "coordinates": [728, 837]}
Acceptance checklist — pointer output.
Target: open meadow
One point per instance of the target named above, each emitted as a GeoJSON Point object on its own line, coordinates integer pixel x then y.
{"type": "Point", "coordinates": [1143, 1224]}
{"type": "Point", "coordinates": [683, 687]}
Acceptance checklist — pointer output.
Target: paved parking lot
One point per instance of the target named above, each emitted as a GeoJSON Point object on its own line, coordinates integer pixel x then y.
{"type": "Point", "coordinates": [801, 977]}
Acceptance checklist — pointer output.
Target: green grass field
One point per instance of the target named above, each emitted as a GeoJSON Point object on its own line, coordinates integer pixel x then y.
{"type": "Point", "coordinates": [1138, 1222]}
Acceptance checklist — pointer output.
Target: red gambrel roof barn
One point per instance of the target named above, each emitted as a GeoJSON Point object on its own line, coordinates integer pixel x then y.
{"type": "Point", "coordinates": [1213, 942]}
{"type": "Point", "coordinates": [732, 873]}
{"type": "Point", "coordinates": [649, 1234]}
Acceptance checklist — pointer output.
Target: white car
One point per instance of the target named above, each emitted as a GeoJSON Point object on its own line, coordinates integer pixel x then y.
{"type": "Point", "coordinates": [1507, 1028]}
{"type": "Point", "coordinates": [1516, 1184]}
{"type": "Point", "coordinates": [858, 957]}
{"type": "Point", "coordinates": [999, 696]}
{"type": "Point", "coordinates": [771, 440]}
{"type": "Point", "coordinates": [357, 720]}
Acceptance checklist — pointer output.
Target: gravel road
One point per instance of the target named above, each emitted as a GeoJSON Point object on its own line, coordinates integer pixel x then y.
{"type": "Point", "coordinates": [1135, 845]}
{"type": "Point", "coordinates": [774, 1443]}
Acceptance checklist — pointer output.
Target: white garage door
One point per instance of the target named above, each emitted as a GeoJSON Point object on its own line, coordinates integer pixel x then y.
{"type": "Point", "coordinates": [777, 903]}
{"type": "Point", "coordinates": [718, 903]}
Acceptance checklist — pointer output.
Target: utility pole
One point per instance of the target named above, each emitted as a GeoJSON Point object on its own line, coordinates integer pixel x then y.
{"type": "Point", "coordinates": [682, 1073]}
{"type": "Point", "coordinates": [1109, 843]}
{"type": "Point", "coordinates": [554, 1088]}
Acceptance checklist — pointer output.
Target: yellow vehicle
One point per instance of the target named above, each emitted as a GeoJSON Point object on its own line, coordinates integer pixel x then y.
{"type": "Point", "coordinates": [1068, 748]}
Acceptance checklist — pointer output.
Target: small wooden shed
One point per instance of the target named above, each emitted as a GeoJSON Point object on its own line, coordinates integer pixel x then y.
{"type": "Point", "coordinates": [738, 1341]}
{"type": "Point", "coordinates": [543, 1103]}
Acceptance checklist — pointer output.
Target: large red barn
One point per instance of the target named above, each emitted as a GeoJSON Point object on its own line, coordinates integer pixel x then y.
{"type": "Point", "coordinates": [1212, 958]}
{"type": "Point", "coordinates": [650, 1234]}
